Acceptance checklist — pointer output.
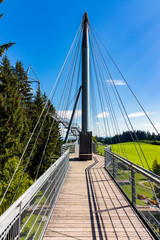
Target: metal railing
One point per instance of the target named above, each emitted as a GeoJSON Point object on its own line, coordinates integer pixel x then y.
{"type": "Point", "coordinates": [75, 128]}
{"type": "Point", "coordinates": [99, 148]}
{"type": "Point", "coordinates": [71, 146]}
{"type": "Point", "coordinates": [28, 217]}
{"type": "Point", "coordinates": [141, 187]}
{"type": "Point", "coordinates": [93, 147]}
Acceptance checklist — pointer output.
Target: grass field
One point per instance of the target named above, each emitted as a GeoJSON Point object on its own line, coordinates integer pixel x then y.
{"type": "Point", "coordinates": [141, 187]}
{"type": "Point", "coordinates": [151, 152]}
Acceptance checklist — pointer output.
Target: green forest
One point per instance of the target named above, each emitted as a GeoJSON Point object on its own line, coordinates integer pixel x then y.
{"type": "Point", "coordinates": [19, 111]}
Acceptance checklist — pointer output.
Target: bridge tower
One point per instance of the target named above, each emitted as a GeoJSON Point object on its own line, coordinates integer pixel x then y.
{"type": "Point", "coordinates": [85, 151]}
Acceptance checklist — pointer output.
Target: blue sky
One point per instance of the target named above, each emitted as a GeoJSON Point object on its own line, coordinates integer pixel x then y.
{"type": "Point", "coordinates": [44, 30]}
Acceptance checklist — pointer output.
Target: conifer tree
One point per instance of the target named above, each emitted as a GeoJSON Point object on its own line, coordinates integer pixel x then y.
{"type": "Point", "coordinates": [24, 87]}
{"type": "Point", "coordinates": [26, 95]}
{"type": "Point", "coordinates": [8, 171]}
{"type": "Point", "coordinates": [19, 114]}
{"type": "Point", "coordinates": [11, 122]}
{"type": "Point", "coordinates": [38, 105]}
{"type": "Point", "coordinates": [54, 142]}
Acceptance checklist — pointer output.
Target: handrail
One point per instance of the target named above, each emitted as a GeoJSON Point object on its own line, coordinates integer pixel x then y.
{"type": "Point", "coordinates": [152, 176]}
{"type": "Point", "coordinates": [140, 186]}
{"type": "Point", "coordinates": [71, 146]}
{"type": "Point", "coordinates": [35, 198]}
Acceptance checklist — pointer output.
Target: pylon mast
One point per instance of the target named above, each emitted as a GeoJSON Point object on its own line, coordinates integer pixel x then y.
{"type": "Point", "coordinates": [85, 74]}
{"type": "Point", "coordinates": [85, 137]}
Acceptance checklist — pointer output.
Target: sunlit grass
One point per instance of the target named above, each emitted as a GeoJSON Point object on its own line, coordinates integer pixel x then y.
{"type": "Point", "coordinates": [151, 152]}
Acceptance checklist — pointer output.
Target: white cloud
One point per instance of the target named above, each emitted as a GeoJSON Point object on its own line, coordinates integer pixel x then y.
{"type": "Point", "coordinates": [116, 82]}
{"type": "Point", "coordinates": [68, 113]}
{"type": "Point", "coordinates": [140, 114]}
{"type": "Point", "coordinates": [98, 123]}
{"type": "Point", "coordinates": [103, 114]}
{"type": "Point", "coordinates": [157, 125]}
{"type": "Point", "coordinates": [137, 114]}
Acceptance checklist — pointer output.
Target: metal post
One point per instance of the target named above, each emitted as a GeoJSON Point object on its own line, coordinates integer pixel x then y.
{"type": "Point", "coordinates": [133, 187]}
{"type": "Point", "coordinates": [19, 222]}
{"type": "Point", "coordinates": [85, 75]}
{"type": "Point", "coordinates": [85, 148]}
{"type": "Point", "coordinates": [74, 109]}
{"type": "Point", "coordinates": [113, 159]}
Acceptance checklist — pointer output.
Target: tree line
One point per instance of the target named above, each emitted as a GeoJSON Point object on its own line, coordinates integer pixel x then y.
{"type": "Point", "coordinates": [19, 111]}
{"type": "Point", "coordinates": [127, 136]}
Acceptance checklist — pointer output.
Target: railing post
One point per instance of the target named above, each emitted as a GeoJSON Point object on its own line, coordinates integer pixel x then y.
{"type": "Point", "coordinates": [133, 187]}
{"type": "Point", "coordinates": [113, 162]}
{"type": "Point", "coordinates": [93, 147]}
{"type": "Point", "coordinates": [19, 221]}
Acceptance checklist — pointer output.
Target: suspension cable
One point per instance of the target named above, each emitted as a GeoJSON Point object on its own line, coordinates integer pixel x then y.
{"type": "Point", "coordinates": [127, 84]}
{"type": "Point", "coordinates": [123, 107]}
{"type": "Point", "coordinates": [56, 82]}
{"type": "Point", "coordinates": [110, 107]}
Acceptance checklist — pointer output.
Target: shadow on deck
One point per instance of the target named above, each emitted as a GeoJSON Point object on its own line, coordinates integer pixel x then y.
{"type": "Point", "coordinates": [91, 206]}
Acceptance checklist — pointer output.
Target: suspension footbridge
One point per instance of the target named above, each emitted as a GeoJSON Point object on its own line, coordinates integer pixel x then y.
{"type": "Point", "coordinates": [84, 195]}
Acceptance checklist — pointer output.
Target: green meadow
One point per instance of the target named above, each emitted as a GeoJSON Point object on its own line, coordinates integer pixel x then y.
{"type": "Point", "coordinates": [151, 152]}
{"type": "Point", "coordinates": [142, 186]}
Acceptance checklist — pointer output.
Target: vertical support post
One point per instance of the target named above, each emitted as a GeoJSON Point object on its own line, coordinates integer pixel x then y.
{"type": "Point", "coordinates": [93, 147]}
{"type": "Point", "coordinates": [105, 154]}
{"type": "Point", "coordinates": [133, 187]}
{"type": "Point", "coordinates": [19, 222]}
{"type": "Point", "coordinates": [113, 159]}
{"type": "Point", "coordinates": [71, 120]}
{"type": "Point", "coordinates": [85, 150]}
{"type": "Point", "coordinates": [85, 75]}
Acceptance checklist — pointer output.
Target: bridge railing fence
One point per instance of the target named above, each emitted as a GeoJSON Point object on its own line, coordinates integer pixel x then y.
{"type": "Point", "coordinates": [71, 146]}
{"type": "Point", "coordinates": [28, 217]}
{"type": "Point", "coordinates": [140, 186]}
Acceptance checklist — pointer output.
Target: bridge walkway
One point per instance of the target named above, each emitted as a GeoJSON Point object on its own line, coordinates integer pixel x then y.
{"type": "Point", "coordinates": [90, 206]}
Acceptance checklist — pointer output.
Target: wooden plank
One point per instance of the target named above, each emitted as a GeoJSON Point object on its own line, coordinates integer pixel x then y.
{"type": "Point", "coordinates": [90, 206]}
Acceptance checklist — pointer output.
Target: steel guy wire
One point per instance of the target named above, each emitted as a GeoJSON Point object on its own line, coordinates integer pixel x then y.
{"type": "Point", "coordinates": [109, 101]}
{"type": "Point", "coordinates": [101, 76]}
{"type": "Point", "coordinates": [127, 84]}
{"type": "Point", "coordinates": [128, 120]}
{"type": "Point", "coordinates": [122, 109]}
{"type": "Point", "coordinates": [39, 119]}
{"type": "Point", "coordinates": [68, 73]}
{"type": "Point", "coordinates": [99, 91]}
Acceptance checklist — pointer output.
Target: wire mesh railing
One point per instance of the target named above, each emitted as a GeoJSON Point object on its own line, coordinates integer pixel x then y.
{"type": "Point", "coordinates": [71, 146]}
{"type": "Point", "coordinates": [141, 187]}
{"type": "Point", "coordinates": [28, 217]}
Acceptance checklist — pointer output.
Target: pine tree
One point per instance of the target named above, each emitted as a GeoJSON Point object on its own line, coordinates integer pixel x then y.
{"type": "Point", "coordinates": [26, 95]}
{"type": "Point", "coordinates": [8, 171]}
{"type": "Point", "coordinates": [11, 125]}
{"type": "Point", "coordinates": [24, 87]}
{"type": "Point", "coordinates": [19, 114]}
{"type": "Point", "coordinates": [156, 167]}
{"type": "Point", "coordinates": [11, 122]}
{"type": "Point", "coordinates": [54, 142]}
{"type": "Point", "coordinates": [55, 138]}
{"type": "Point", "coordinates": [38, 105]}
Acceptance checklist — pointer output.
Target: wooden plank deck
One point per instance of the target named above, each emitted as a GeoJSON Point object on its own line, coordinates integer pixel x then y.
{"type": "Point", "coordinates": [91, 206]}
